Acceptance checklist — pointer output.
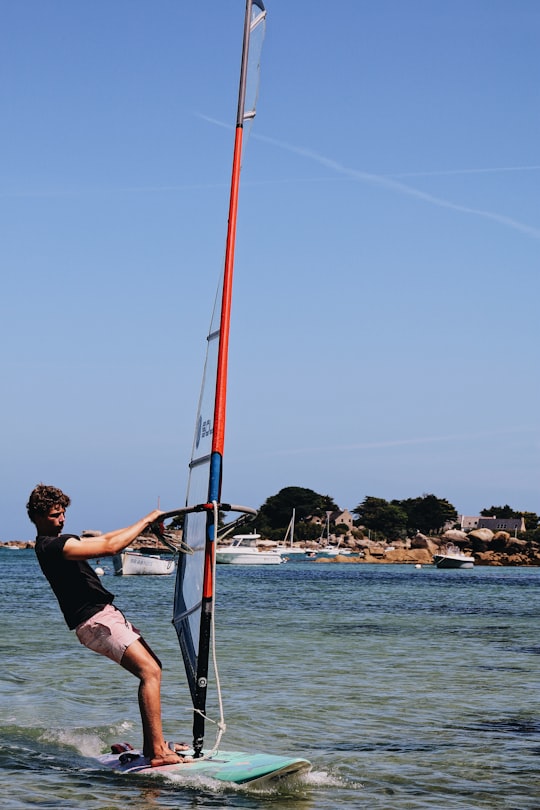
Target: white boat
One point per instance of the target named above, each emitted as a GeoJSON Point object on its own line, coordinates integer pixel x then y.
{"type": "Point", "coordinates": [129, 563]}
{"type": "Point", "coordinates": [287, 549]}
{"type": "Point", "coordinates": [450, 556]}
{"type": "Point", "coordinates": [333, 551]}
{"type": "Point", "coordinates": [328, 550]}
{"type": "Point", "coordinates": [294, 554]}
{"type": "Point", "coordinates": [243, 551]}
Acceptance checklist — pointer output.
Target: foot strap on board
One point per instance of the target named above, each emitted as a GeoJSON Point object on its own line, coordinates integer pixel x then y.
{"type": "Point", "coordinates": [119, 748]}
{"type": "Point", "coordinates": [128, 756]}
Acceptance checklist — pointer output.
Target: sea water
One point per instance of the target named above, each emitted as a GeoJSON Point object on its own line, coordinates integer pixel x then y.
{"type": "Point", "coordinates": [407, 688]}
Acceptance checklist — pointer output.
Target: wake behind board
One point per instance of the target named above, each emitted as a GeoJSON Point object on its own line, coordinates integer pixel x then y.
{"type": "Point", "coordinates": [236, 767]}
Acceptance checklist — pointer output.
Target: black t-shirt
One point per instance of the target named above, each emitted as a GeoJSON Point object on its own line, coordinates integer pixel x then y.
{"type": "Point", "coordinates": [75, 584]}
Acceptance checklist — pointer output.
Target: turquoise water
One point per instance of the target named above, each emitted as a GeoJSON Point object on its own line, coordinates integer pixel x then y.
{"type": "Point", "coordinates": [406, 688]}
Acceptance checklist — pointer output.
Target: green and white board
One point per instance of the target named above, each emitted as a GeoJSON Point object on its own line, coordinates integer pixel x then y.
{"type": "Point", "coordinates": [237, 767]}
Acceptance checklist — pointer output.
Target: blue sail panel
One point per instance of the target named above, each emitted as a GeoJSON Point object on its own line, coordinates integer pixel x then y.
{"type": "Point", "coordinates": [188, 594]}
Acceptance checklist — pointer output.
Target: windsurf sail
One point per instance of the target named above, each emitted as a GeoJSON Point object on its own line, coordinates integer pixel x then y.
{"type": "Point", "coordinates": [194, 592]}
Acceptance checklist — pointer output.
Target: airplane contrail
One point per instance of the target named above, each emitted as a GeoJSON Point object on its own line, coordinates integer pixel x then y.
{"type": "Point", "coordinates": [401, 442]}
{"type": "Point", "coordinates": [443, 172]}
{"type": "Point", "coordinates": [388, 181]}
{"type": "Point", "coordinates": [395, 185]}
{"type": "Point", "coordinates": [385, 181]}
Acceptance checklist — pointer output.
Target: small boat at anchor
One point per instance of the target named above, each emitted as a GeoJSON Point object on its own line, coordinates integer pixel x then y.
{"type": "Point", "coordinates": [288, 550]}
{"type": "Point", "coordinates": [130, 563]}
{"type": "Point", "coordinates": [450, 556]}
{"type": "Point", "coordinates": [329, 550]}
{"type": "Point", "coordinates": [333, 551]}
{"type": "Point", "coordinates": [243, 551]}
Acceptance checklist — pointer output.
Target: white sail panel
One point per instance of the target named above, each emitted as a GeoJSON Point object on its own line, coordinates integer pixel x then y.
{"type": "Point", "coordinates": [189, 580]}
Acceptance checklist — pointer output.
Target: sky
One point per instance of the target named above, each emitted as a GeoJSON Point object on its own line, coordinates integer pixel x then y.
{"type": "Point", "coordinates": [385, 327]}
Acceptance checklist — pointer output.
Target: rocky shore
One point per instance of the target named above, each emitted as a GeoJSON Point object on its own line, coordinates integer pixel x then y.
{"type": "Point", "coordinates": [487, 548]}
{"type": "Point", "coordinates": [17, 544]}
{"type": "Point", "coordinates": [147, 543]}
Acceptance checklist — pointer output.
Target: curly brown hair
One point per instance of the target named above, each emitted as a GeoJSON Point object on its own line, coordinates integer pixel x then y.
{"type": "Point", "coordinates": [42, 498]}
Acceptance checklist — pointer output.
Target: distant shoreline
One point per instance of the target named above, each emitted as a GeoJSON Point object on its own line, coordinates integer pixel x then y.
{"type": "Point", "coordinates": [418, 557]}
{"type": "Point", "coordinates": [17, 543]}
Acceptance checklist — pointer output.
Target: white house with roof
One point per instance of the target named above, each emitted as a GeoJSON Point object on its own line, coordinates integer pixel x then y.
{"type": "Point", "coordinates": [502, 524]}
{"type": "Point", "coordinates": [339, 516]}
{"type": "Point", "coordinates": [468, 523]}
{"type": "Point", "coordinates": [342, 516]}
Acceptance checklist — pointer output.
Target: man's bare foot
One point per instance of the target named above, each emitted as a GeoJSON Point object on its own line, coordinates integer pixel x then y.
{"type": "Point", "coordinates": [165, 749]}
{"type": "Point", "coordinates": [168, 755]}
{"type": "Point", "coordinates": [168, 759]}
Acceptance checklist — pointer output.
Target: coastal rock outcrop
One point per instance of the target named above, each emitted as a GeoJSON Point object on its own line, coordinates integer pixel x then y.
{"type": "Point", "coordinates": [421, 541]}
{"type": "Point", "coordinates": [482, 534]}
{"type": "Point", "coordinates": [455, 536]}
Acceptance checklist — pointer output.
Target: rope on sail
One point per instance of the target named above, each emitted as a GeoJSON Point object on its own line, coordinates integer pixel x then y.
{"type": "Point", "coordinates": [247, 513]}
{"type": "Point", "coordinates": [221, 724]}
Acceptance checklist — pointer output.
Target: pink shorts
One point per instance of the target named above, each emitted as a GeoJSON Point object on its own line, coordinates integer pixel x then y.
{"type": "Point", "coordinates": [107, 633]}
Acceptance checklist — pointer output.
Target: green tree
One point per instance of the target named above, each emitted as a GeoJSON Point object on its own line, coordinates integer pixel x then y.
{"type": "Point", "coordinates": [428, 513]}
{"type": "Point", "coordinates": [276, 511]}
{"type": "Point", "coordinates": [533, 536]}
{"type": "Point", "coordinates": [531, 521]}
{"type": "Point", "coordinates": [380, 516]}
{"type": "Point", "coordinates": [500, 512]}
{"type": "Point", "coordinates": [303, 531]}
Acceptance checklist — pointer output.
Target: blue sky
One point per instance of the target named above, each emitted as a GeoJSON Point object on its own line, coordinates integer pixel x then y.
{"type": "Point", "coordinates": [385, 321]}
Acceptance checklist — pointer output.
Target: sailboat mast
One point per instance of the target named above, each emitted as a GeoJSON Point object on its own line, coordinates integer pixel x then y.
{"type": "Point", "coordinates": [218, 436]}
{"type": "Point", "coordinates": [223, 351]}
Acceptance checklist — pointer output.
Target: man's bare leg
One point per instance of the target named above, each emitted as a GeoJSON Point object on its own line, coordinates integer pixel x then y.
{"type": "Point", "coordinates": [139, 660]}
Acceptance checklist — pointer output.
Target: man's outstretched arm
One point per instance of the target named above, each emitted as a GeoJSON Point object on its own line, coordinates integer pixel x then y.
{"type": "Point", "coordinates": [107, 544]}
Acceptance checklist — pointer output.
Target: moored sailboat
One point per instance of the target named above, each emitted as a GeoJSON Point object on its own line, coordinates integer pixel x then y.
{"type": "Point", "coordinates": [329, 550]}
{"type": "Point", "coordinates": [288, 550]}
